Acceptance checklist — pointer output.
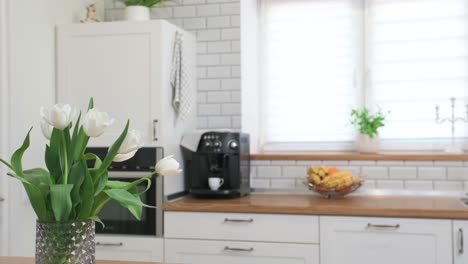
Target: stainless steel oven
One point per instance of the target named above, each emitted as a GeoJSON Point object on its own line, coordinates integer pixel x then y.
{"type": "Point", "coordinates": [119, 220]}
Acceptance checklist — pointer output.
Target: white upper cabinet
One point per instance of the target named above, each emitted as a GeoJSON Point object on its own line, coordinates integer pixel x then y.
{"type": "Point", "coordinates": [126, 67]}
{"type": "Point", "coordinates": [360, 240]}
{"type": "Point", "coordinates": [460, 246]}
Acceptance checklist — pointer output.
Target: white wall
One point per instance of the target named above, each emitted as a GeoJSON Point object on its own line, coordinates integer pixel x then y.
{"type": "Point", "coordinates": [32, 78]}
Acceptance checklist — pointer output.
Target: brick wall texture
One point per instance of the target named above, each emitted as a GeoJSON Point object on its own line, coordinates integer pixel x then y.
{"type": "Point", "coordinates": [216, 23]}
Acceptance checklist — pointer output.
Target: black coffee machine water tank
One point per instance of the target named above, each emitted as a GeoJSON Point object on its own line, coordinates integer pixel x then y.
{"type": "Point", "coordinates": [222, 155]}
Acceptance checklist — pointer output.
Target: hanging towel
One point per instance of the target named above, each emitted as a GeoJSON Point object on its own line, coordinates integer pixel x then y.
{"type": "Point", "coordinates": [182, 97]}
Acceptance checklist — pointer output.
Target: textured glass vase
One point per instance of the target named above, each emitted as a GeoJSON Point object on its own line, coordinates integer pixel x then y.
{"type": "Point", "coordinates": [65, 242]}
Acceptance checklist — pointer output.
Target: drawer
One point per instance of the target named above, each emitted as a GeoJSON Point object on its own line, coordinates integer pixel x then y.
{"type": "Point", "coordinates": [242, 227]}
{"type": "Point", "coordinates": [129, 248]}
{"type": "Point", "coordinates": [229, 252]}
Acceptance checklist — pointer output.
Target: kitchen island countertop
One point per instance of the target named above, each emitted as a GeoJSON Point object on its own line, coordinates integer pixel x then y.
{"type": "Point", "coordinates": [355, 205]}
{"type": "Point", "coordinates": [19, 260]}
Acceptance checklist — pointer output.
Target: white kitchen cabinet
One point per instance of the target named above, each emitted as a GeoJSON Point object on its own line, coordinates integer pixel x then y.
{"type": "Point", "coordinates": [126, 67]}
{"type": "Point", "coordinates": [127, 248]}
{"type": "Point", "coordinates": [243, 227]}
{"type": "Point", "coordinates": [362, 240]}
{"type": "Point", "coordinates": [230, 252]}
{"type": "Point", "coordinates": [460, 248]}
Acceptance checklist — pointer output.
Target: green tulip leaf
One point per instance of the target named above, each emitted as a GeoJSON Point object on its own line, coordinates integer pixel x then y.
{"type": "Point", "coordinates": [87, 195]}
{"type": "Point", "coordinates": [60, 196]}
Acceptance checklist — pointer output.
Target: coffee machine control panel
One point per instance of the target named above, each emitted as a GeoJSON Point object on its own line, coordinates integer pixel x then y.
{"type": "Point", "coordinates": [213, 142]}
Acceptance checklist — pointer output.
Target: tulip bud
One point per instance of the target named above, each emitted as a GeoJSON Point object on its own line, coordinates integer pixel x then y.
{"type": "Point", "coordinates": [95, 122]}
{"type": "Point", "coordinates": [130, 146]}
{"type": "Point", "coordinates": [46, 129]}
{"type": "Point", "coordinates": [59, 116]}
{"type": "Point", "coordinates": [168, 166]}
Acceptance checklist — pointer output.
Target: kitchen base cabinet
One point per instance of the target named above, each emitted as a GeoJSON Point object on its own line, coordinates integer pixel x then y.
{"type": "Point", "coordinates": [230, 252]}
{"type": "Point", "coordinates": [128, 248]}
{"type": "Point", "coordinates": [361, 240]}
{"type": "Point", "coordinates": [460, 236]}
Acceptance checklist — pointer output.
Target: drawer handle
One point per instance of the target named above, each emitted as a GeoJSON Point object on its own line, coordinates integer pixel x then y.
{"type": "Point", "coordinates": [227, 220]}
{"type": "Point", "coordinates": [226, 248]}
{"type": "Point", "coordinates": [460, 242]}
{"type": "Point", "coordinates": [109, 244]}
{"type": "Point", "coordinates": [369, 225]}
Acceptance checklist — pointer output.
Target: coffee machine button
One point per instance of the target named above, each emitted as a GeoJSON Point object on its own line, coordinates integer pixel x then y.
{"type": "Point", "coordinates": [207, 144]}
{"type": "Point", "coordinates": [233, 145]}
{"type": "Point", "coordinates": [217, 144]}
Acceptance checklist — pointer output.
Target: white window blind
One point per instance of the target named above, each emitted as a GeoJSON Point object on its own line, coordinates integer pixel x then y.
{"type": "Point", "coordinates": [418, 57]}
{"type": "Point", "coordinates": [414, 54]}
{"type": "Point", "coordinates": [311, 61]}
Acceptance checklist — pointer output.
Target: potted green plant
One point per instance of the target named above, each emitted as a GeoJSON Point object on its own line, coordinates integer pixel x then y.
{"type": "Point", "coordinates": [68, 196]}
{"type": "Point", "coordinates": [139, 10]}
{"type": "Point", "coordinates": [368, 140]}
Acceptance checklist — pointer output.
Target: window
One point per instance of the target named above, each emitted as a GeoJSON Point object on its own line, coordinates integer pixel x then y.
{"type": "Point", "coordinates": [321, 58]}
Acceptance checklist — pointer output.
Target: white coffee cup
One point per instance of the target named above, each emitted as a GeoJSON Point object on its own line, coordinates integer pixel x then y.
{"type": "Point", "coordinates": [215, 183]}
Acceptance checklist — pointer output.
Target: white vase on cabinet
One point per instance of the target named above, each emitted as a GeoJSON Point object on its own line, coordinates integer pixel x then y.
{"type": "Point", "coordinates": [137, 13]}
{"type": "Point", "coordinates": [367, 144]}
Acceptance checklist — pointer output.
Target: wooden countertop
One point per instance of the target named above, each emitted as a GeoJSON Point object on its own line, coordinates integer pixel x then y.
{"type": "Point", "coordinates": [18, 260]}
{"type": "Point", "coordinates": [365, 205]}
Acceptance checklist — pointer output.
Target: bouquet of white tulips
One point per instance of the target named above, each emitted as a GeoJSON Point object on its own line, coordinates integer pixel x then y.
{"type": "Point", "coordinates": [68, 190]}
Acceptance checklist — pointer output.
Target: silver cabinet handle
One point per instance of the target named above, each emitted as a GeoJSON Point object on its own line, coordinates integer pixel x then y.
{"type": "Point", "coordinates": [227, 220]}
{"type": "Point", "coordinates": [369, 225]}
{"type": "Point", "coordinates": [460, 242]}
{"type": "Point", "coordinates": [226, 248]}
{"type": "Point", "coordinates": [2, 199]}
{"type": "Point", "coordinates": [109, 244]}
{"type": "Point", "coordinates": [155, 130]}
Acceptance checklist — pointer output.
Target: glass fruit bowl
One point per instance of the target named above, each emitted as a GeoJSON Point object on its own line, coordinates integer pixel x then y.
{"type": "Point", "coordinates": [333, 193]}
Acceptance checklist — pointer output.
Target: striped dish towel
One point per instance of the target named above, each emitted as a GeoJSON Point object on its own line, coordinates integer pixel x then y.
{"type": "Point", "coordinates": [182, 92]}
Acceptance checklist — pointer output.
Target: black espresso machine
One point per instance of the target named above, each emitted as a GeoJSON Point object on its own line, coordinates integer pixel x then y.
{"type": "Point", "coordinates": [222, 155]}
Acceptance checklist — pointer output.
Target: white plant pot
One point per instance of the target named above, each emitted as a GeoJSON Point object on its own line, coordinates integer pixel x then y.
{"type": "Point", "coordinates": [137, 13]}
{"type": "Point", "coordinates": [366, 144]}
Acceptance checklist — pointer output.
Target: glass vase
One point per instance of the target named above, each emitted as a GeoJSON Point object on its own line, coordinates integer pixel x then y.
{"type": "Point", "coordinates": [65, 242]}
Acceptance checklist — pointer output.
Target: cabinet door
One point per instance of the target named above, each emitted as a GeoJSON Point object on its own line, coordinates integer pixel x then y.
{"type": "Point", "coordinates": [229, 252]}
{"type": "Point", "coordinates": [358, 240]}
{"type": "Point", "coordinates": [115, 64]}
{"type": "Point", "coordinates": [460, 236]}
{"type": "Point", "coordinates": [129, 248]}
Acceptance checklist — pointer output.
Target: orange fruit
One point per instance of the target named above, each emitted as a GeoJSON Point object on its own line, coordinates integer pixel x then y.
{"type": "Point", "coordinates": [332, 170]}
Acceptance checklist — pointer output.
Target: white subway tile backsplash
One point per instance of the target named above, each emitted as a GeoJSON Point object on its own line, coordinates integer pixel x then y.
{"type": "Point", "coordinates": [261, 183]}
{"type": "Point", "coordinates": [217, 122]}
{"type": "Point", "coordinates": [283, 162]}
{"type": "Point", "coordinates": [235, 97]}
{"type": "Point", "coordinates": [388, 184]}
{"type": "Point", "coordinates": [161, 12]}
{"type": "Point", "coordinates": [235, 21]}
{"type": "Point", "coordinates": [236, 71]}
{"type": "Point", "coordinates": [295, 172]}
{"type": "Point", "coordinates": [218, 22]}
{"type": "Point", "coordinates": [390, 163]}
{"type": "Point", "coordinates": [236, 122]}
{"type": "Point", "coordinates": [202, 47]}
{"type": "Point", "coordinates": [404, 173]}
{"type": "Point", "coordinates": [448, 186]}
{"type": "Point", "coordinates": [231, 109]}
{"type": "Point", "coordinates": [375, 172]}
{"type": "Point", "coordinates": [309, 162]}
{"type": "Point", "coordinates": [230, 59]}
{"type": "Point", "coordinates": [432, 173]}
{"type": "Point", "coordinates": [283, 184]}
{"type": "Point", "coordinates": [443, 163]}
{"type": "Point", "coordinates": [208, 59]}
{"type": "Point", "coordinates": [230, 9]}
{"type": "Point", "coordinates": [362, 162]}
{"type": "Point", "coordinates": [209, 109]}
{"type": "Point", "coordinates": [209, 85]}
{"type": "Point", "coordinates": [269, 171]}
{"type": "Point", "coordinates": [208, 35]}
{"type": "Point", "coordinates": [335, 163]}
{"type": "Point", "coordinates": [219, 72]}
{"type": "Point", "coordinates": [260, 162]}
{"type": "Point", "coordinates": [417, 163]}
{"type": "Point", "coordinates": [231, 84]}
{"type": "Point", "coordinates": [235, 46]}
{"type": "Point", "coordinates": [419, 185]}
{"type": "Point", "coordinates": [201, 72]}
{"type": "Point", "coordinates": [184, 11]}
{"type": "Point", "coordinates": [194, 23]}
{"type": "Point", "coordinates": [219, 97]}
{"type": "Point", "coordinates": [355, 170]}
{"type": "Point", "coordinates": [457, 173]}
{"type": "Point", "coordinates": [230, 34]}
{"type": "Point", "coordinates": [208, 10]}
{"type": "Point", "coordinates": [219, 47]}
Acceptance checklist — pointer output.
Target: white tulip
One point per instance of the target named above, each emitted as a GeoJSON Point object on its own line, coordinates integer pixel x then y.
{"type": "Point", "coordinates": [59, 116]}
{"type": "Point", "coordinates": [46, 129]}
{"type": "Point", "coordinates": [130, 146]}
{"type": "Point", "coordinates": [168, 167]}
{"type": "Point", "coordinates": [95, 122]}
